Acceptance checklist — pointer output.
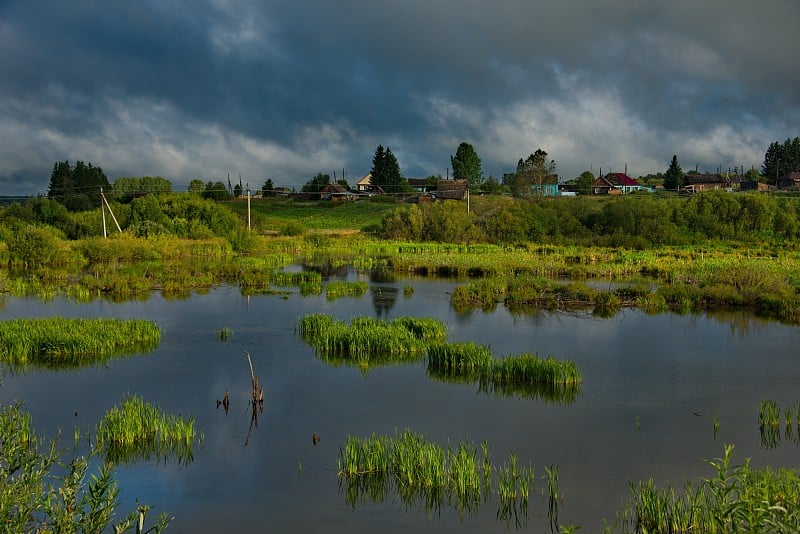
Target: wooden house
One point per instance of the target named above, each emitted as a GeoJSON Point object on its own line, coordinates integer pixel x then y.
{"type": "Point", "coordinates": [336, 192]}
{"type": "Point", "coordinates": [364, 185]}
{"type": "Point", "coordinates": [451, 189]}
{"type": "Point", "coordinates": [547, 188]}
{"type": "Point", "coordinates": [423, 185]}
{"type": "Point", "coordinates": [616, 183]}
{"type": "Point", "coordinates": [696, 182]}
{"type": "Point", "coordinates": [789, 180]}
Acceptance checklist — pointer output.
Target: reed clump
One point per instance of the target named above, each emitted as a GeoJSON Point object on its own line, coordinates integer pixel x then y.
{"type": "Point", "coordinates": [137, 429]}
{"type": "Point", "coordinates": [466, 360]}
{"type": "Point", "coordinates": [369, 340]}
{"type": "Point", "coordinates": [422, 471]}
{"type": "Point", "coordinates": [340, 288]}
{"type": "Point", "coordinates": [62, 342]}
{"type": "Point", "coordinates": [770, 420]}
{"type": "Point", "coordinates": [525, 375]}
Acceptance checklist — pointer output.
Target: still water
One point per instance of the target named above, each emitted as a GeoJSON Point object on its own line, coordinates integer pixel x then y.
{"type": "Point", "coordinates": [652, 387]}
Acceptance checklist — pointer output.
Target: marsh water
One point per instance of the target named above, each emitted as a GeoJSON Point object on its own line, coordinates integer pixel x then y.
{"type": "Point", "coordinates": [652, 387]}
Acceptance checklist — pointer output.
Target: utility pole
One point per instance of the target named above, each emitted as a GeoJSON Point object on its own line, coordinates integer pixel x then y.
{"type": "Point", "coordinates": [110, 211]}
{"type": "Point", "coordinates": [248, 206]}
{"type": "Point", "coordinates": [103, 211]}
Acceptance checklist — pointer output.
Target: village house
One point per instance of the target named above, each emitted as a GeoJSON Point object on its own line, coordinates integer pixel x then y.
{"type": "Point", "coordinates": [452, 189]}
{"type": "Point", "coordinates": [336, 192]}
{"type": "Point", "coordinates": [697, 182]}
{"type": "Point", "coordinates": [364, 185]}
{"type": "Point", "coordinates": [789, 180]}
{"type": "Point", "coordinates": [547, 188]}
{"type": "Point", "coordinates": [617, 183]}
{"type": "Point", "coordinates": [423, 185]}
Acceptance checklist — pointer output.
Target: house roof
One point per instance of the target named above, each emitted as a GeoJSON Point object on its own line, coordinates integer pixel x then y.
{"type": "Point", "coordinates": [705, 178]}
{"type": "Point", "coordinates": [334, 188]}
{"type": "Point", "coordinates": [795, 176]}
{"type": "Point", "coordinates": [621, 179]}
{"type": "Point", "coordinates": [421, 182]}
{"type": "Point", "coordinates": [366, 180]}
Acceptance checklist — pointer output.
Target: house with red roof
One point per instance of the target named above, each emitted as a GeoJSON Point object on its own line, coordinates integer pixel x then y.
{"type": "Point", "coordinates": [617, 183]}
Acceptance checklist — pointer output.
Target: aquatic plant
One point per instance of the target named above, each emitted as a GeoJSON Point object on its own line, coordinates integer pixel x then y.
{"type": "Point", "coordinates": [224, 333]}
{"type": "Point", "coordinates": [734, 499]}
{"type": "Point", "coordinates": [424, 472]}
{"type": "Point", "coordinates": [60, 342]}
{"type": "Point", "coordinates": [139, 430]}
{"type": "Point", "coordinates": [524, 375]}
{"type": "Point", "coordinates": [42, 491]}
{"type": "Point", "coordinates": [466, 360]}
{"type": "Point", "coordinates": [338, 289]}
{"type": "Point", "coordinates": [368, 340]}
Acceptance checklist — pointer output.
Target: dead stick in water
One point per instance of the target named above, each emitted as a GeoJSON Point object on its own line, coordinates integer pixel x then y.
{"type": "Point", "coordinates": [253, 379]}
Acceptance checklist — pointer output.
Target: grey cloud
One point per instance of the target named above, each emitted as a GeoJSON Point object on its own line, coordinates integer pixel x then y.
{"type": "Point", "coordinates": [288, 89]}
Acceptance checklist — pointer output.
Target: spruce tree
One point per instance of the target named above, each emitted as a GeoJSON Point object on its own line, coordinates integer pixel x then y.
{"type": "Point", "coordinates": [673, 178]}
{"type": "Point", "coordinates": [386, 171]}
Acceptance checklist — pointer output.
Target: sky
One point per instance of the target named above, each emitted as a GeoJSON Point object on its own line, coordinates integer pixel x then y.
{"type": "Point", "coordinates": [279, 89]}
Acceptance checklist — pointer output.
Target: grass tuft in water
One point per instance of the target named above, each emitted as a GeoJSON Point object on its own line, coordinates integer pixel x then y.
{"type": "Point", "coordinates": [139, 430]}
{"type": "Point", "coordinates": [57, 342]}
{"type": "Point", "coordinates": [367, 341]}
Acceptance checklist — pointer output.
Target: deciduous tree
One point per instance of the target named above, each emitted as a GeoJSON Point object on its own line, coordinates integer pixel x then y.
{"type": "Point", "coordinates": [315, 184]}
{"type": "Point", "coordinates": [583, 183]}
{"type": "Point", "coordinates": [196, 186]}
{"type": "Point", "coordinates": [532, 171]}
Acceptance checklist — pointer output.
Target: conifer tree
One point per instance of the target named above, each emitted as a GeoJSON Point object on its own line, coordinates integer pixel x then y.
{"type": "Point", "coordinates": [673, 178]}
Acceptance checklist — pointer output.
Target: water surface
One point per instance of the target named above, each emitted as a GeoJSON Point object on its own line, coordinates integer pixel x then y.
{"type": "Point", "coordinates": [652, 385]}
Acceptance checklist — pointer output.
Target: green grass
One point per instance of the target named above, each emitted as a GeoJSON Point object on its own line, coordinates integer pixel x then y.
{"type": "Point", "coordinates": [60, 342]}
{"type": "Point", "coordinates": [424, 472]}
{"type": "Point", "coordinates": [368, 341]}
{"type": "Point", "coordinates": [524, 375]}
{"type": "Point", "coordinates": [139, 430]}
{"type": "Point", "coordinates": [339, 289]}
{"type": "Point", "coordinates": [735, 498]}
{"type": "Point", "coordinates": [272, 214]}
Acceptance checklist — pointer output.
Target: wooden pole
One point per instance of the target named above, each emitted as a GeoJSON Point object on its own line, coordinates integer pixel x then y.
{"type": "Point", "coordinates": [110, 210]}
{"type": "Point", "coordinates": [103, 211]}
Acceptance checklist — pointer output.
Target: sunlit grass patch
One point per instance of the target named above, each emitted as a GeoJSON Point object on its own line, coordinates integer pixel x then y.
{"type": "Point", "coordinates": [139, 430]}
{"type": "Point", "coordinates": [367, 339]}
{"type": "Point", "coordinates": [57, 341]}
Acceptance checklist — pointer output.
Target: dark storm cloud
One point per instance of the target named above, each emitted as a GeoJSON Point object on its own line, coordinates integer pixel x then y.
{"type": "Point", "coordinates": [288, 89]}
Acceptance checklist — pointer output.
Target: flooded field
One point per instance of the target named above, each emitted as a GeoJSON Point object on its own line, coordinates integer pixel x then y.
{"type": "Point", "coordinates": [660, 393]}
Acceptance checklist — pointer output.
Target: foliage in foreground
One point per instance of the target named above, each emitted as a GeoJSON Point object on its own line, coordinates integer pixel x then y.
{"type": "Point", "coordinates": [41, 493]}
{"type": "Point", "coordinates": [735, 499]}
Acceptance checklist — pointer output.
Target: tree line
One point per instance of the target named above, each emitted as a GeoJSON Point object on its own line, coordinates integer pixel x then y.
{"type": "Point", "coordinates": [636, 221]}
{"type": "Point", "coordinates": [78, 187]}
